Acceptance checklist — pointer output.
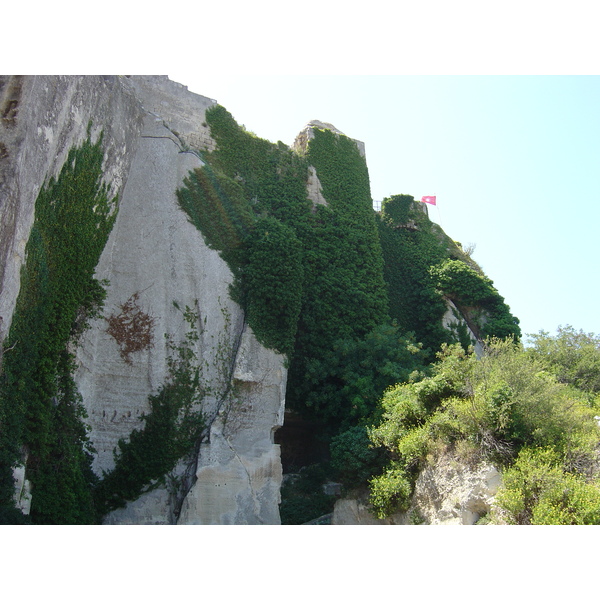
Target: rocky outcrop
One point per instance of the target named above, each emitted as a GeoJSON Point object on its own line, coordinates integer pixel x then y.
{"type": "Point", "coordinates": [314, 188]}
{"type": "Point", "coordinates": [307, 134]}
{"type": "Point", "coordinates": [454, 492]}
{"type": "Point", "coordinates": [455, 320]}
{"type": "Point", "coordinates": [450, 491]}
{"type": "Point", "coordinates": [239, 471]}
{"type": "Point", "coordinates": [155, 252]}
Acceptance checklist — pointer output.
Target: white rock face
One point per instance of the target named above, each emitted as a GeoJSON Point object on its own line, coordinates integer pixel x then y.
{"type": "Point", "coordinates": [448, 492]}
{"type": "Point", "coordinates": [453, 319]}
{"type": "Point", "coordinates": [239, 472]}
{"type": "Point", "coordinates": [154, 251]}
{"type": "Point", "coordinates": [157, 260]}
{"type": "Point", "coordinates": [313, 188]}
{"type": "Point", "coordinates": [451, 492]}
{"type": "Point", "coordinates": [22, 490]}
{"type": "Point", "coordinates": [48, 115]}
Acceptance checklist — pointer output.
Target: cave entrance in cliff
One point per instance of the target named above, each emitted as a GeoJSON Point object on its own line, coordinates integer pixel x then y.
{"type": "Point", "coordinates": [300, 443]}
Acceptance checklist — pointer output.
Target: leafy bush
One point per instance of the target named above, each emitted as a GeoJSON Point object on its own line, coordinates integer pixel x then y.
{"type": "Point", "coordinates": [349, 379]}
{"type": "Point", "coordinates": [353, 457]}
{"type": "Point", "coordinates": [536, 490]}
{"type": "Point", "coordinates": [496, 406]}
{"type": "Point", "coordinates": [573, 356]}
{"type": "Point", "coordinates": [390, 492]}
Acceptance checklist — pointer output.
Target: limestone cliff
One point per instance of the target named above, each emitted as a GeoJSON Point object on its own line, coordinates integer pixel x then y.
{"type": "Point", "coordinates": [42, 119]}
{"type": "Point", "coordinates": [170, 284]}
{"type": "Point", "coordinates": [155, 262]}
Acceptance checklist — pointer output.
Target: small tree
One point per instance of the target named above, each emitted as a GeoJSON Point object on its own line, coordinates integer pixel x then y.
{"type": "Point", "coordinates": [573, 356]}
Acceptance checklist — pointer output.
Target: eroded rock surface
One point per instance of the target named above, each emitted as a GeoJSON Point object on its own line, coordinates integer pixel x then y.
{"type": "Point", "coordinates": [41, 119]}
{"type": "Point", "coordinates": [157, 264]}
{"type": "Point", "coordinates": [451, 491]}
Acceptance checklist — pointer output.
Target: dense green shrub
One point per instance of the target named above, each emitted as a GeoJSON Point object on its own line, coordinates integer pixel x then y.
{"type": "Point", "coordinates": [354, 460]}
{"type": "Point", "coordinates": [351, 376]}
{"type": "Point", "coordinates": [536, 490]}
{"type": "Point", "coordinates": [489, 408]}
{"type": "Point", "coordinates": [573, 356]}
{"type": "Point", "coordinates": [391, 491]}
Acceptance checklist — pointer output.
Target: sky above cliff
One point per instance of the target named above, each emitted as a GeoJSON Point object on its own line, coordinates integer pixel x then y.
{"type": "Point", "coordinates": [513, 161]}
{"type": "Point", "coordinates": [512, 155]}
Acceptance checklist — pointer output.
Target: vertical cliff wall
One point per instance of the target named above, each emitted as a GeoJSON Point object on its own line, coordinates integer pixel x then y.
{"type": "Point", "coordinates": [42, 118]}
{"type": "Point", "coordinates": [165, 291]}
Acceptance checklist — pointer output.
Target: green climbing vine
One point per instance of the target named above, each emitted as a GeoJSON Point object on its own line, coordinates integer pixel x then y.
{"type": "Point", "coordinates": [245, 201]}
{"type": "Point", "coordinates": [40, 408]}
{"type": "Point", "coordinates": [171, 429]}
{"type": "Point", "coordinates": [307, 276]}
{"type": "Point", "coordinates": [410, 246]}
{"type": "Point", "coordinates": [424, 267]}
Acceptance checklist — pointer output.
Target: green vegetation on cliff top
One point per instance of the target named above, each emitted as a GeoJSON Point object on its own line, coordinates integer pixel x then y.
{"type": "Point", "coordinates": [352, 298]}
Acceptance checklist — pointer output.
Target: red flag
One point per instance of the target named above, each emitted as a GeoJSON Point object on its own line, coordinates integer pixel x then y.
{"type": "Point", "coordinates": [428, 199]}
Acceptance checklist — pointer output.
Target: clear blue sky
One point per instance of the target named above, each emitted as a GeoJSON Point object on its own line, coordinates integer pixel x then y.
{"type": "Point", "coordinates": [512, 156]}
{"type": "Point", "coordinates": [513, 161]}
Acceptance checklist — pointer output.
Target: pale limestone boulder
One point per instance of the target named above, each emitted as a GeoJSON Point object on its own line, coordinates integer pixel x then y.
{"type": "Point", "coordinates": [454, 492]}
{"type": "Point", "coordinates": [450, 491]}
